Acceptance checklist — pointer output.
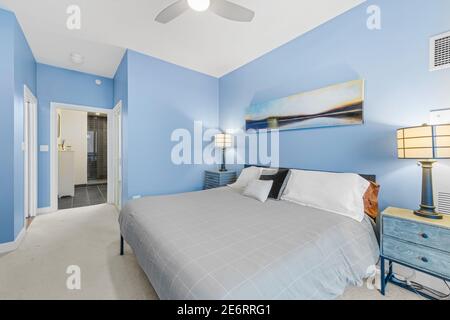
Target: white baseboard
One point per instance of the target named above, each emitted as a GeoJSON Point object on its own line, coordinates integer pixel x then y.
{"type": "Point", "coordinates": [45, 210]}
{"type": "Point", "coordinates": [13, 245]}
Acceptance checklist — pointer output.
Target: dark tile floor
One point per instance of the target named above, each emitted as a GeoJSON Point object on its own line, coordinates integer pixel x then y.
{"type": "Point", "coordinates": [84, 196]}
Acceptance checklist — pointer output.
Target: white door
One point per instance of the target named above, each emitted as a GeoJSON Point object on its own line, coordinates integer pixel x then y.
{"type": "Point", "coordinates": [30, 154]}
{"type": "Point", "coordinates": [118, 155]}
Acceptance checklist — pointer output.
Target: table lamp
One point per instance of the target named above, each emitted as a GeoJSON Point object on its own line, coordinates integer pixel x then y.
{"type": "Point", "coordinates": [223, 141]}
{"type": "Point", "coordinates": [426, 143]}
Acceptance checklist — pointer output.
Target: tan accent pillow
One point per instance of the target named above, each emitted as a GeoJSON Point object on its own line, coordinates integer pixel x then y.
{"type": "Point", "coordinates": [371, 200]}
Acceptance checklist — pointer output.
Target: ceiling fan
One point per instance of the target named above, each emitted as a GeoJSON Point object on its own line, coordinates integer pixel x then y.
{"type": "Point", "coordinates": [223, 8]}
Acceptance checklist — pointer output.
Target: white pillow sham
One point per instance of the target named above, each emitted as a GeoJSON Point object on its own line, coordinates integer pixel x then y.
{"type": "Point", "coordinates": [247, 175]}
{"type": "Point", "coordinates": [258, 189]}
{"type": "Point", "coordinates": [340, 193]}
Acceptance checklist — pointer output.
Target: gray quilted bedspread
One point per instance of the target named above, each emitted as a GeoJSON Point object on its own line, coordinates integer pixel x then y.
{"type": "Point", "coordinates": [218, 244]}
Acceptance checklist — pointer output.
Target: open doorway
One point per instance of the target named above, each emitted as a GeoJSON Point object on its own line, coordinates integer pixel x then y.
{"type": "Point", "coordinates": [81, 156]}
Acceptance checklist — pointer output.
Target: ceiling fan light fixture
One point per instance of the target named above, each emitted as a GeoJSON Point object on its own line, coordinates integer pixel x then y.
{"type": "Point", "coordinates": [199, 5]}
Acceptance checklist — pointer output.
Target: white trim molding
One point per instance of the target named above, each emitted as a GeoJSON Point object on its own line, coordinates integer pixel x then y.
{"type": "Point", "coordinates": [54, 151]}
{"type": "Point", "coordinates": [13, 245]}
{"type": "Point", "coordinates": [117, 158]}
{"type": "Point", "coordinates": [30, 147]}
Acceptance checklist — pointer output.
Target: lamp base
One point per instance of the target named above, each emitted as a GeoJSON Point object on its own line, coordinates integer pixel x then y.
{"type": "Point", "coordinates": [428, 215]}
{"type": "Point", "coordinates": [223, 167]}
{"type": "Point", "coordinates": [427, 208]}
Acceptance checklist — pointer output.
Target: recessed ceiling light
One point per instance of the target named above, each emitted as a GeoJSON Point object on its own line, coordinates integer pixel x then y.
{"type": "Point", "coordinates": [77, 58]}
{"type": "Point", "coordinates": [199, 5]}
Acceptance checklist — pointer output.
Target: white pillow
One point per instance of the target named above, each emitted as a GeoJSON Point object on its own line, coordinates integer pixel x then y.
{"type": "Point", "coordinates": [258, 189]}
{"type": "Point", "coordinates": [247, 175]}
{"type": "Point", "coordinates": [340, 193]}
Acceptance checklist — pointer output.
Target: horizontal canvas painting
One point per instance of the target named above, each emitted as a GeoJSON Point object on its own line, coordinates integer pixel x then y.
{"type": "Point", "coordinates": [336, 105]}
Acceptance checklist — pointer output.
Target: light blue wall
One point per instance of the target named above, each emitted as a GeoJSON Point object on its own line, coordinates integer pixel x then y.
{"type": "Point", "coordinates": [24, 74]}
{"type": "Point", "coordinates": [400, 90]}
{"type": "Point", "coordinates": [17, 68]}
{"type": "Point", "coordinates": [121, 94]}
{"type": "Point", "coordinates": [64, 86]}
{"type": "Point", "coordinates": [163, 97]}
{"type": "Point", "coordinates": [6, 126]}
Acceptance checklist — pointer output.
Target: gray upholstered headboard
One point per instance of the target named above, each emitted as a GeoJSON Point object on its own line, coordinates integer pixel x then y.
{"type": "Point", "coordinates": [369, 177]}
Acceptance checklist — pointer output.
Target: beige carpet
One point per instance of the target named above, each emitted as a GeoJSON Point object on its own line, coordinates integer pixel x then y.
{"type": "Point", "coordinates": [89, 238]}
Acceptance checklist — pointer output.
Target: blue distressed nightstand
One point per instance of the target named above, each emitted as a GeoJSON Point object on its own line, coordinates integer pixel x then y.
{"type": "Point", "coordinates": [415, 242]}
{"type": "Point", "coordinates": [216, 179]}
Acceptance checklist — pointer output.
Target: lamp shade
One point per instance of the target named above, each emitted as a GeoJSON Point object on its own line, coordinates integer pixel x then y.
{"type": "Point", "coordinates": [425, 142]}
{"type": "Point", "coordinates": [223, 140]}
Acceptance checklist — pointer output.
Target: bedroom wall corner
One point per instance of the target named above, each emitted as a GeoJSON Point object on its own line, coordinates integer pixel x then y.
{"type": "Point", "coordinates": [121, 94]}
{"type": "Point", "coordinates": [163, 97]}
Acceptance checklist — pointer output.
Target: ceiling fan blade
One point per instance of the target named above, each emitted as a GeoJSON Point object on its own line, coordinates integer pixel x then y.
{"type": "Point", "coordinates": [231, 11]}
{"type": "Point", "coordinates": [173, 11]}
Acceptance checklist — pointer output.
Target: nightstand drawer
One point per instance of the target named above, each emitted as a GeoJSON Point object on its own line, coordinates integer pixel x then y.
{"type": "Point", "coordinates": [215, 179]}
{"type": "Point", "coordinates": [220, 181]}
{"type": "Point", "coordinates": [420, 233]}
{"type": "Point", "coordinates": [434, 261]}
{"type": "Point", "coordinates": [212, 179]}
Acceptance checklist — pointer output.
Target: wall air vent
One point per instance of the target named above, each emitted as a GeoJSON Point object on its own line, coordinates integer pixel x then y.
{"type": "Point", "coordinates": [444, 202]}
{"type": "Point", "coordinates": [440, 52]}
{"type": "Point", "coordinates": [441, 186]}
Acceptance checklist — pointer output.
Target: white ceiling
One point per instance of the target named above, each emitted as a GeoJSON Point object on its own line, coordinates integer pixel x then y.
{"type": "Point", "coordinates": [200, 41]}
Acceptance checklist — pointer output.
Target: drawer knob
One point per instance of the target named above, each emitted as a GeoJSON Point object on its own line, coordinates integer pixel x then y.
{"type": "Point", "coordinates": [424, 259]}
{"type": "Point", "coordinates": [424, 235]}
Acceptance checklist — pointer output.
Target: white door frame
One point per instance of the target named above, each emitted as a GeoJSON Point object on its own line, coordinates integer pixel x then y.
{"type": "Point", "coordinates": [29, 148]}
{"type": "Point", "coordinates": [117, 161]}
{"type": "Point", "coordinates": [54, 149]}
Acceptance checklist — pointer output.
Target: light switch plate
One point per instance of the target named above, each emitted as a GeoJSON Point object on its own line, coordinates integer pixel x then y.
{"type": "Point", "coordinates": [43, 148]}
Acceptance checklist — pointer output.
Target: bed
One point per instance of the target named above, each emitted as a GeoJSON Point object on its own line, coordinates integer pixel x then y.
{"type": "Point", "coordinates": [218, 245]}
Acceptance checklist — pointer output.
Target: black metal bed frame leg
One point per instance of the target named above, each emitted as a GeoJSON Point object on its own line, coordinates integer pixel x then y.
{"type": "Point", "coordinates": [121, 245]}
